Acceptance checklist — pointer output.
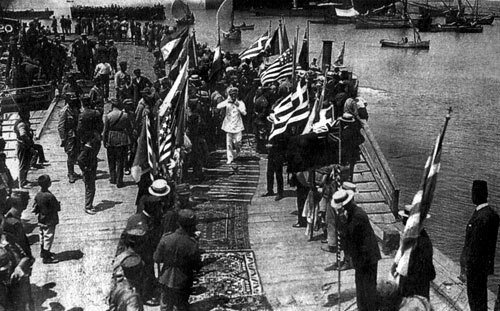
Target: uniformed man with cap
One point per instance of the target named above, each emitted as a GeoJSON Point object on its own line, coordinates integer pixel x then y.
{"type": "Point", "coordinates": [125, 292]}
{"type": "Point", "coordinates": [233, 122]}
{"type": "Point", "coordinates": [116, 138]}
{"type": "Point", "coordinates": [181, 258]}
{"type": "Point", "coordinates": [67, 128]}
{"type": "Point", "coordinates": [478, 255]}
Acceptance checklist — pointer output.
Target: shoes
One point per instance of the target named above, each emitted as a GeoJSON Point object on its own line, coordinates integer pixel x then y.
{"type": "Point", "coordinates": [153, 301]}
{"type": "Point", "coordinates": [299, 225]}
{"type": "Point", "coordinates": [278, 197]}
{"type": "Point", "coordinates": [71, 179]}
{"type": "Point", "coordinates": [50, 260]}
{"type": "Point", "coordinates": [112, 182]}
{"type": "Point", "coordinates": [126, 172]}
{"type": "Point", "coordinates": [77, 176]}
{"type": "Point", "coordinates": [43, 161]}
{"type": "Point", "coordinates": [37, 166]}
{"type": "Point", "coordinates": [24, 184]}
{"type": "Point", "coordinates": [119, 185]}
{"type": "Point", "coordinates": [324, 241]}
{"type": "Point", "coordinates": [90, 211]}
{"type": "Point", "coordinates": [328, 248]}
{"type": "Point", "coordinates": [268, 194]}
{"type": "Point", "coordinates": [344, 265]}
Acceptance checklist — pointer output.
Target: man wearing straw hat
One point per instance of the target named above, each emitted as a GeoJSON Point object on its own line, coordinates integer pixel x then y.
{"type": "Point", "coordinates": [478, 255]}
{"type": "Point", "coordinates": [420, 267]}
{"type": "Point", "coordinates": [361, 245]}
{"type": "Point", "coordinates": [233, 122]}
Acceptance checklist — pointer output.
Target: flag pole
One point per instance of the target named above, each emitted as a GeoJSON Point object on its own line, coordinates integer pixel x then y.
{"type": "Point", "coordinates": [308, 39]}
{"type": "Point", "coordinates": [294, 59]}
{"type": "Point", "coordinates": [338, 240]}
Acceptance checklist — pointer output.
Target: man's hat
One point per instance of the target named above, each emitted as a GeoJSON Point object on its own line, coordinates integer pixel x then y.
{"type": "Point", "coordinates": [194, 78]}
{"type": "Point", "coordinates": [480, 188]}
{"type": "Point", "coordinates": [187, 218]}
{"type": "Point", "coordinates": [83, 34]}
{"type": "Point", "coordinates": [147, 91]}
{"type": "Point", "coordinates": [123, 62]}
{"type": "Point", "coordinates": [347, 185]}
{"type": "Point", "coordinates": [159, 188]}
{"type": "Point", "coordinates": [128, 101]}
{"type": "Point", "coordinates": [405, 213]}
{"type": "Point", "coordinates": [341, 198]}
{"type": "Point", "coordinates": [136, 228]}
{"type": "Point", "coordinates": [347, 117]}
{"type": "Point", "coordinates": [131, 262]}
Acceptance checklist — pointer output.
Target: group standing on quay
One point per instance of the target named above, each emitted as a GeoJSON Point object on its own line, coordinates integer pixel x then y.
{"type": "Point", "coordinates": [221, 106]}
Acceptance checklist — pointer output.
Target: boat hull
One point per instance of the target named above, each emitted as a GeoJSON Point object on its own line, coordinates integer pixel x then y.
{"type": "Point", "coordinates": [363, 22]}
{"type": "Point", "coordinates": [482, 20]}
{"type": "Point", "coordinates": [453, 28]}
{"type": "Point", "coordinates": [233, 35]}
{"type": "Point", "coordinates": [245, 27]}
{"type": "Point", "coordinates": [408, 45]}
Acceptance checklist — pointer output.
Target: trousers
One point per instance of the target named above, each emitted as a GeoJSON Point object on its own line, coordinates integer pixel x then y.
{"type": "Point", "coordinates": [47, 236]}
{"type": "Point", "coordinates": [171, 298]}
{"type": "Point", "coordinates": [116, 161]}
{"type": "Point", "coordinates": [233, 145]}
{"type": "Point", "coordinates": [89, 177]}
{"type": "Point", "coordinates": [477, 290]}
{"type": "Point", "coordinates": [366, 287]}
{"type": "Point", "coordinates": [274, 167]}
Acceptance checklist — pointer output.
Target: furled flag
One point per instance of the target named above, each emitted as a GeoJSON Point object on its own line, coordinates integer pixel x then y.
{"type": "Point", "coordinates": [278, 43]}
{"type": "Point", "coordinates": [171, 45]}
{"type": "Point", "coordinates": [290, 111]}
{"type": "Point", "coordinates": [280, 68]}
{"type": "Point", "coordinates": [420, 205]}
{"type": "Point", "coordinates": [304, 52]}
{"type": "Point", "coordinates": [216, 67]}
{"type": "Point", "coordinates": [177, 65]}
{"type": "Point", "coordinates": [168, 116]}
{"type": "Point", "coordinates": [256, 48]}
{"type": "Point", "coordinates": [144, 154]}
{"type": "Point", "coordinates": [340, 58]}
{"type": "Point", "coordinates": [284, 44]}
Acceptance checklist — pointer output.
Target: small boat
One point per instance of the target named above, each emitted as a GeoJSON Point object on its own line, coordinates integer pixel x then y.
{"type": "Point", "coordinates": [244, 27]}
{"type": "Point", "coordinates": [181, 13]}
{"type": "Point", "coordinates": [405, 45]}
{"type": "Point", "coordinates": [225, 21]}
{"type": "Point", "coordinates": [480, 20]}
{"type": "Point", "coordinates": [453, 28]}
{"type": "Point", "coordinates": [394, 15]}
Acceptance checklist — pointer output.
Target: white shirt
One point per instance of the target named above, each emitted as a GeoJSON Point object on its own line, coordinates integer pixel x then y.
{"type": "Point", "coordinates": [102, 69]}
{"type": "Point", "coordinates": [233, 123]}
{"type": "Point", "coordinates": [480, 206]}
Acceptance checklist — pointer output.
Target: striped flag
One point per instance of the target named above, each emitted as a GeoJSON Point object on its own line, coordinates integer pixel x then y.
{"type": "Point", "coordinates": [280, 68]}
{"type": "Point", "coordinates": [151, 150]}
{"type": "Point", "coordinates": [340, 58]}
{"type": "Point", "coordinates": [176, 87]}
{"type": "Point", "coordinates": [215, 70]}
{"type": "Point", "coordinates": [256, 48]}
{"type": "Point", "coordinates": [171, 45]}
{"type": "Point", "coordinates": [291, 111]}
{"type": "Point", "coordinates": [420, 205]}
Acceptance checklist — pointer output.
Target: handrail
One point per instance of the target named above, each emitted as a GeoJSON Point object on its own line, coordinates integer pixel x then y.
{"type": "Point", "coordinates": [26, 88]}
{"type": "Point", "coordinates": [380, 168]}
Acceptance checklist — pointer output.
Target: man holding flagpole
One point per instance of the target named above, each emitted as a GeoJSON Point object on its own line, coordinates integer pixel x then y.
{"type": "Point", "coordinates": [233, 123]}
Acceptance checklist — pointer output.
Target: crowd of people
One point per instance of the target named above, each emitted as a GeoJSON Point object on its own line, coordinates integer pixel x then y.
{"type": "Point", "coordinates": [155, 12]}
{"type": "Point", "coordinates": [220, 108]}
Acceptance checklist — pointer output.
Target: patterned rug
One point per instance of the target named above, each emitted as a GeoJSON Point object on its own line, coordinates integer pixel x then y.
{"type": "Point", "coordinates": [223, 226]}
{"type": "Point", "coordinates": [229, 280]}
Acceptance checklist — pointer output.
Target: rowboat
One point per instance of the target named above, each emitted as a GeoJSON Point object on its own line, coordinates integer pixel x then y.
{"type": "Point", "coordinates": [232, 35]}
{"type": "Point", "coordinates": [405, 45]}
{"type": "Point", "coordinates": [245, 26]}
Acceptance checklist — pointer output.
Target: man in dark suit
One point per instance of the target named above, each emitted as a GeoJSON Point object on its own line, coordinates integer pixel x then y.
{"type": "Point", "coordinates": [361, 246]}
{"type": "Point", "coordinates": [478, 255]}
{"type": "Point", "coordinates": [116, 138]}
{"type": "Point", "coordinates": [139, 82]}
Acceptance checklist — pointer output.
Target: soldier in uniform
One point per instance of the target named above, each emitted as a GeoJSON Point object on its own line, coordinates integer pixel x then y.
{"type": "Point", "coordinates": [27, 151]}
{"type": "Point", "coordinates": [116, 137]}
{"type": "Point", "coordinates": [71, 86]}
{"type": "Point", "coordinates": [90, 124]}
{"type": "Point", "coordinates": [478, 255]}
{"type": "Point", "coordinates": [180, 256]}
{"type": "Point", "coordinates": [67, 127]}
{"type": "Point", "coordinates": [59, 56]}
{"type": "Point", "coordinates": [97, 95]}
{"type": "Point", "coordinates": [123, 82]}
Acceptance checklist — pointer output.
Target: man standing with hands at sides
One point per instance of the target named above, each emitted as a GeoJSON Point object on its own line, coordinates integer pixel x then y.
{"type": "Point", "coordinates": [478, 255]}
{"type": "Point", "coordinates": [233, 122]}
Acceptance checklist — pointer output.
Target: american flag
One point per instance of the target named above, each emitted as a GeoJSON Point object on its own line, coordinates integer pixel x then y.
{"type": "Point", "coordinates": [256, 48]}
{"type": "Point", "coordinates": [150, 145]}
{"type": "Point", "coordinates": [292, 110]}
{"type": "Point", "coordinates": [280, 68]}
{"type": "Point", "coordinates": [420, 205]}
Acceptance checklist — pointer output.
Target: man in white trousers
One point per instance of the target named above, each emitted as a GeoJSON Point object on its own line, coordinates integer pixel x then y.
{"type": "Point", "coordinates": [233, 122]}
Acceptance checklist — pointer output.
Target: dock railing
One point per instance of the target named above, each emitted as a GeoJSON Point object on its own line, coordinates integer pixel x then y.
{"type": "Point", "coordinates": [380, 169]}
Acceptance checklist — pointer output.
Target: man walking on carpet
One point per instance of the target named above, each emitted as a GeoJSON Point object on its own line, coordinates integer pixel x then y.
{"type": "Point", "coordinates": [233, 123]}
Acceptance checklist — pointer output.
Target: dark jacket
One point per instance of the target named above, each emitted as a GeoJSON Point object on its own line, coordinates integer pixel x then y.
{"type": "Point", "coordinates": [47, 208]}
{"type": "Point", "coordinates": [181, 257]}
{"type": "Point", "coordinates": [478, 253]}
{"type": "Point", "coordinates": [90, 124]}
{"type": "Point", "coordinates": [420, 268]}
{"type": "Point", "coordinates": [68, 122]}
{"type": "Point", "coordinates": [361, 242]}
{"type": "Point", "coordinates": [87, 159]}
{"type": "Point", "coordinates": [139, 85]}
{"type": "Point", "coordinates": [117, 128]}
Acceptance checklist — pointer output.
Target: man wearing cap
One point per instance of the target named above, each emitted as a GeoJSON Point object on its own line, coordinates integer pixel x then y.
{"type": "Point", "coordinates": [180, 256]}
{"type": "Point", "coordinates": [103, 71]}
{"type": "Point", "coordinates": [144, 107]}
{"type": "Point", "coordinates": [351, 140]}
{"type": "Point", "coordinates": [478, 254]}
{"type": "Point", "coordinates": [59, 55]}
{"type": "Point", "coordinates": [420, 267]}
{"type": "Point", "coordinates": [139, 82]}
{"type": "Point", "coordinates": [82, 50]}
{"type": "Point", "coordinates": [96, 94]}
{"type": "Point", "coordinates": [67, 128]}
{"type": "Point", "coordinates": [116, 138]}
{"type": "Point", "coordinates": [233, 122]}
{"type": "Point", "coordinates": [125, 294]}
{"type": "Point", "coordinates": [361, 245]}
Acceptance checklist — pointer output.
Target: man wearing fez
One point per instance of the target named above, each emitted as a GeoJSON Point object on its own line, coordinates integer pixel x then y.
{"type": "Point", "coordinates": [420, 267]}
{"type": "Point", "coordinates": [478, 254]}
{"type": "Point", "coordinates": [233, 122]}
{"type": "Point", "coordinates": [180, 256]}
{"type": "Point", "coordinates": [361, 245]}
